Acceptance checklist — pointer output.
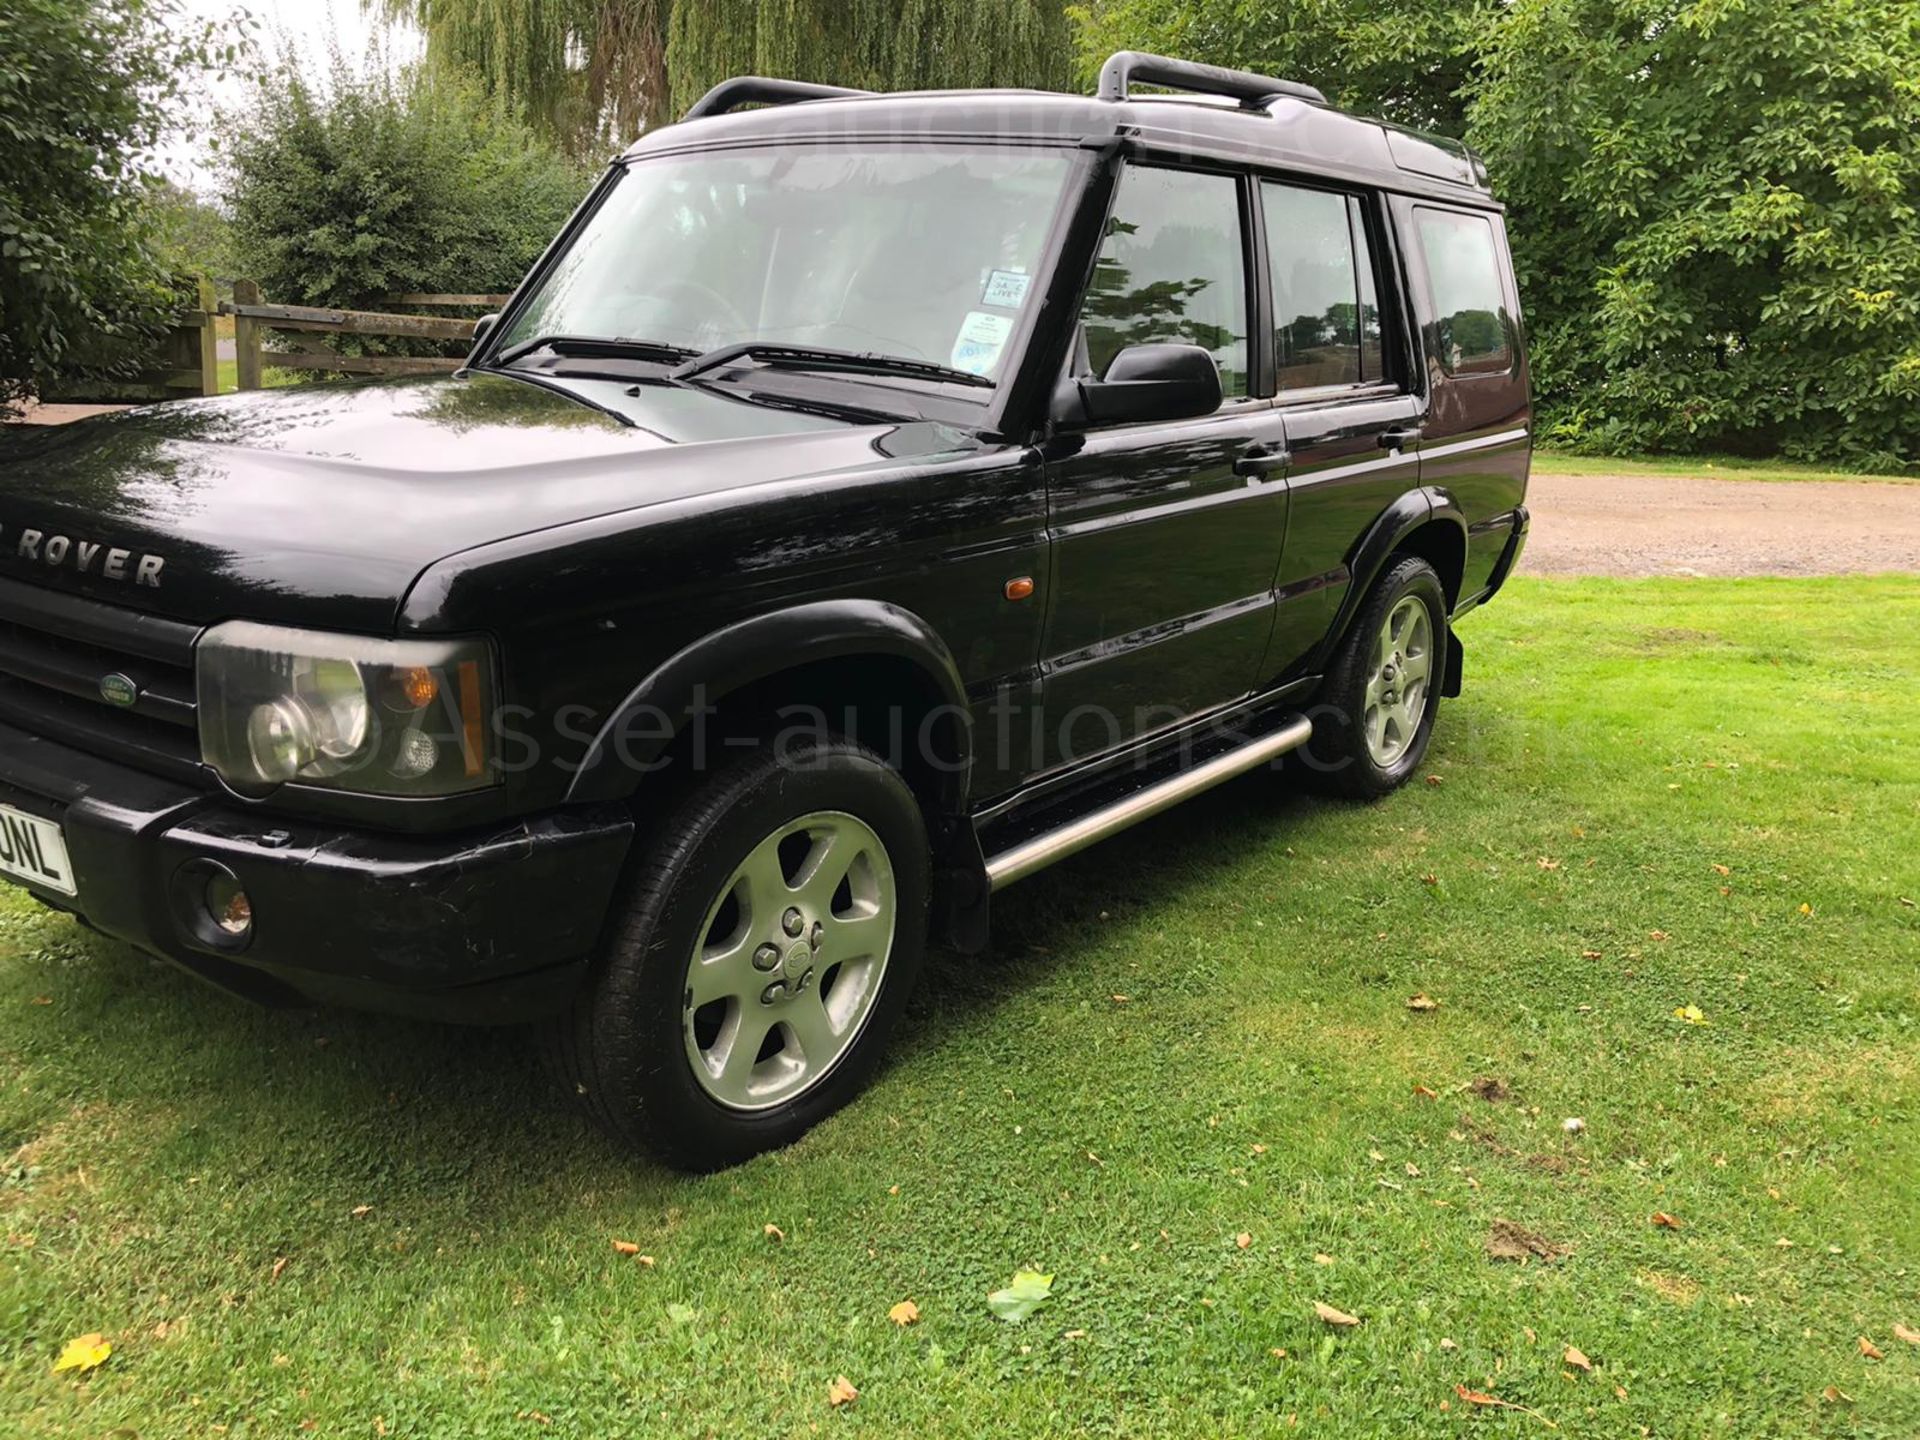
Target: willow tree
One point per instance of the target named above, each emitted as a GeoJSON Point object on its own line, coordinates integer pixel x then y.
{"type": "Point", "coordinates": [591, 74]}
{"type": "Point", "coordinates": [870, 44]}
{"type": "Point", "coordinates": [584, 73]}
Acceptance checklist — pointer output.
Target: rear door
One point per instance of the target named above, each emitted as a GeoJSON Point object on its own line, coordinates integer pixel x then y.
{"type": "Point", "coordinates": [1166, 536]}
{"type": "Point", "coordinates": [1479, 440]}
{"type": "Point", "coordinates": [1351, 414]}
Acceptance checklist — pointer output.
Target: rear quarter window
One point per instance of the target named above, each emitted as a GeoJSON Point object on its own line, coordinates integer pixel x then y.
{"type": "Point", "coordinates": [1472, 329]}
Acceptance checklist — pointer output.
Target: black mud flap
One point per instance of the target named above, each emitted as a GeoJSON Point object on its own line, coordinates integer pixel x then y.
{"type": "Point", "coordinates": [1455, 680]}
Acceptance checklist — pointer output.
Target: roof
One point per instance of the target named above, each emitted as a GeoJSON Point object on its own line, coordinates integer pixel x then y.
{"type": "Point", "coordinates": [1285, 133]}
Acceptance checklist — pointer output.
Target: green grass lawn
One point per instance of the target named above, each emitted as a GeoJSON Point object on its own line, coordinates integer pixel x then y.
{"type": "Point", "coordinates": [1713, 467]}
{"type": "Point", "coordinates": [1655, 795]}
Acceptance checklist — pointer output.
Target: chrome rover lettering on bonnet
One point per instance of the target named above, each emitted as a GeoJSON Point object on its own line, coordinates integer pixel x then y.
{"type": "Point", "coordinates": [89, 557]}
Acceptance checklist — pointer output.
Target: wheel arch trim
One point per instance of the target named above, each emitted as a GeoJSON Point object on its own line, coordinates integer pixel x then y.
{"type": "Point", "coordinates": [751, 650]}
{"type": "Point", "coordinates": [1410, 512]}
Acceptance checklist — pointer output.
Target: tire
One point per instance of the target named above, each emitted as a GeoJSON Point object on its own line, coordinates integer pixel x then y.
{"type": "Point", "coordinates": [1370, 729]}
{"type": "Point", "coordinates": [699, 1038]}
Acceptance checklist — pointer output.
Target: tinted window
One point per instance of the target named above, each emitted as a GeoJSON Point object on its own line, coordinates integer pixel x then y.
{"type": "Point", "coordinates": [1463, 266]}
{"type": "Point", "coordinates": [1316, 295]}
{"type": "Point", "coordinates": [1172, 270]}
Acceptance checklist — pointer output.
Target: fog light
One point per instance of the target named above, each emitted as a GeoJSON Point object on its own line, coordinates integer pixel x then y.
{"type": "Point", "coordinates": [228, 906]}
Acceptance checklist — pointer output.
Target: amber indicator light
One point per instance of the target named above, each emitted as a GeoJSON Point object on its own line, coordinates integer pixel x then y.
{"type": "Point", "coordinates": [1021, 588]}
{"type": "Point", "coordinates": [474, 722]}
{"type": "Point", "coordinates": [418, 687]}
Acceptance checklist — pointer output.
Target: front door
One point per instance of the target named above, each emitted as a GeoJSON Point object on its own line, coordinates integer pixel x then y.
{"type": "Point", "coordinates": [1165, 536]}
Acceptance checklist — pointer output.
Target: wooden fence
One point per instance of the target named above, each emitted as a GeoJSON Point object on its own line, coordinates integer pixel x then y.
{"type": "Point", "coordinates": [253, 319]}
{"type": "Point", "coordinates": [184, 363]}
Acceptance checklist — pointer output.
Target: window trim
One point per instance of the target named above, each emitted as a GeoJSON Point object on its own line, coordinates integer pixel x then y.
{"type": "Point", "coordinates": [1389, 293]}
{"type": "Point", "coordinates": [1251, 272]}
{"type": "Point", "coordinates": [1509, 306]}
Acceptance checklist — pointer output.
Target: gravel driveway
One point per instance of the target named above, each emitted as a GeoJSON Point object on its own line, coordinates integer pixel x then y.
{"type": "Point", "coordinates": [1655, 525]}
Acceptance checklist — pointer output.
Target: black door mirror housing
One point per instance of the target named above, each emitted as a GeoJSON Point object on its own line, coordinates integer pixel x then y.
{"type": "Point", "coordinates": [483, 327]}
{"type": "Point", "coordinates": [1144, 383]}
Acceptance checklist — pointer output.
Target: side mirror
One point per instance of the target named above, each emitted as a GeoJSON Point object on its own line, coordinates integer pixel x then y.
{"type": "Point", "coordinates": [483, 327]}
{"type": "Point", "coordinates": [1144, 383]}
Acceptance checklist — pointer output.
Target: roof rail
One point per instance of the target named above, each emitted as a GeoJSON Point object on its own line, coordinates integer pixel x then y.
{"type": "Point", "coordinates": [1254, 92]}
{"type": "Point", "coordinates": [758, 90]}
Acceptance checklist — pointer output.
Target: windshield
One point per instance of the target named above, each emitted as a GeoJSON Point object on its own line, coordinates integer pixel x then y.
{"type": "Point", "coordinates": [928, 254]}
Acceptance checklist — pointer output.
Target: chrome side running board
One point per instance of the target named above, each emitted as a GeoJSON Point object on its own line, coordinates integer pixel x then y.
{"type": "Point", "coordinates": [1070, 839]}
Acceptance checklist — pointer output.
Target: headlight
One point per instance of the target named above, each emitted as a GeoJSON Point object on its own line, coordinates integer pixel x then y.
{"type": "Point", "coordinates": [377, 717]}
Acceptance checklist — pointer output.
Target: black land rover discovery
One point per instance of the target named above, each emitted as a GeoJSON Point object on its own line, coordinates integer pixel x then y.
{"type": "Point", "coordinates": [867, 501]}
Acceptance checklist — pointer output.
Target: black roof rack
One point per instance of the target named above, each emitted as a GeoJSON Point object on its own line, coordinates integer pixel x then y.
{"type": "Point", "coordinates": [1254, 92]}
{"type": "Point", "coordinates": [758, 90]}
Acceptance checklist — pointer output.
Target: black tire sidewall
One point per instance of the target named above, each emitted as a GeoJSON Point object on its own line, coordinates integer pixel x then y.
{"type": "Point", "coordinates": [638, 1016]}
{"type": "Point", "coordinates": [1338, 755]}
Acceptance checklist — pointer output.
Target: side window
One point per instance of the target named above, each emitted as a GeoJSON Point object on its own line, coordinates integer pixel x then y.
{"type": "Point", "coordinates": [1172, 270]}
{"type": "Point", "coordinates": [1473, 330]}
{"type": "Point", "coordinates": [1326, 327]}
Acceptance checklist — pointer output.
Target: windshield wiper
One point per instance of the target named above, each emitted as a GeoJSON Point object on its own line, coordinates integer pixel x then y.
{"type": "Point", "coordinates": [615, 346]}
{"type": "Point", "coordinates": [814, 357]}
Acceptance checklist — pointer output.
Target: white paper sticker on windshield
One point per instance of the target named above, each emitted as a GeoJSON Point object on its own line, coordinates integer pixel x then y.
{"type": "Point", "coordinates": [982, 338]}
{"type": "Point", "coordinates": [1007, 289]}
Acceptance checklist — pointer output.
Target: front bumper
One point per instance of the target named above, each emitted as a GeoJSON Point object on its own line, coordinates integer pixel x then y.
{"type": "Point", "coordinates": [492, 927]}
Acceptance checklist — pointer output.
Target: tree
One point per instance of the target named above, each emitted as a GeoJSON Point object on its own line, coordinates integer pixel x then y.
{"type": "Point", "coordinates": [387, 184]}
{"type": "Point", "coordinates": [592, 74]}
{"type": "Point", "coordinates": [86, 89]}
{"type": "Point", "coordinates": [1714, 209]}
{"type": "Point", "coordinates": [1409, 61]}
{"type": "Point", "coordinates": [586, 74]}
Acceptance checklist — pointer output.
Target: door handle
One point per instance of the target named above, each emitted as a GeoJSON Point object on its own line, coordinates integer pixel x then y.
{"type": "Point", "coordinates": [1400, 437]}
{"type": "Point", "coordinates": [1261, 461]}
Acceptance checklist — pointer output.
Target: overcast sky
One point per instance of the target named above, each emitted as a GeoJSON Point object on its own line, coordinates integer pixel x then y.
{"type": "Point", "coordinates": [309, 27]}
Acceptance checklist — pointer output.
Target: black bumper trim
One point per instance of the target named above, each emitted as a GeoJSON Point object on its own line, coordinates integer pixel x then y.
{"type": "Point", "coordinates": [495, 925]}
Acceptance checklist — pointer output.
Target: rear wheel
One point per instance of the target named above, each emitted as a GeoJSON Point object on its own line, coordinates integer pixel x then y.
{"type": "Point", "coordinates": [1375, 715]}
{"type": "Point", "coordinates": [773, 930]}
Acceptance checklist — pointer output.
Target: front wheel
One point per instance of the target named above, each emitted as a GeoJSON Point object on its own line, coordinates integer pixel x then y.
{"type": "Point", "coordinates": [773, 930]}
{"type": "Point", "coordinates": [1375, 714]}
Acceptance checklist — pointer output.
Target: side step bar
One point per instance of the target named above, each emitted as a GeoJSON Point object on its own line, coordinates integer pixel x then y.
{"type": "Point", "coordinates": [1070, 839]}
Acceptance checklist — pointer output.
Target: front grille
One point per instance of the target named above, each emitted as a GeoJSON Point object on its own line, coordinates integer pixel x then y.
{"type": "Point", "coordinates": [55, 650]}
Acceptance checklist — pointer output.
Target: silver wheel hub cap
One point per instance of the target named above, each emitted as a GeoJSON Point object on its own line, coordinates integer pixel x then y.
{"type": "Point", "coordinates": [1397, 688]}
{"type": "Point", "coordinates": [790, 961]}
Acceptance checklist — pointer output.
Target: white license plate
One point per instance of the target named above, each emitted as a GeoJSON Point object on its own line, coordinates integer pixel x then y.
{"type": "Point", "coordinates": [33, 849]}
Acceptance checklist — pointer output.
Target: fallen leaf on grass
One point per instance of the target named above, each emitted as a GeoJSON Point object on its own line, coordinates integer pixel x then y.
{"type": "Point", "coordinates": [1243, 1240]}
{"type": "Point", "coordinates": [42, 1000]}
{"type": "Point", "coordinates": [1547, 863]}
{"type": "Point", "coordinates": [84, 1352]}
{"type": "Point", "coordinates": [1902, 1332]}
{"type": "Point", "coordinates": [625, 1247]}
{"type": "Point", "coordinates": [1480, 1397]}
{"type": "Point", "coordinates": [1806, 909]}
{"type": "Point", "coordinates": [1029, 1290]}
{"type": "Point", "coordinates": [1423, 1001]}
{"type": "Point", "coordinates": [774, 1233]}
{"type": "Point", "coordinates": [1592, 955]}
{"type": "Point", "coordinates": [645, 1262]}
{"type": "Point", "coordinates": [841, 1392]}
{"type": "Point", "coordinates": [1448, 1345]}
{"type": "Point", "coordinates": [1508, 1241]}
{"type": "Point", "coordinates": [1661, 1220]}
{"type": "Point", "coordinates": [1577, 1358]}
{"type": "Point", "coordinates": [360, 1212]}
{"type": "Point", "coordinates": [904, 1314]}
{"type": "Point", "coordinates": [1692, 1014]}
{"type": "Point", "coordinates": [1328, 1260]}
{"type": "Point", "coordinates": [1436, 779]}
{"type": "Point", "coordinates": [1426, 1092]}
{"type": "Point", "coordinates": [278, 1266]}
{"type": "Point", "coordinates": [1658, 935]}
{"type": "Point", "coordinates": [1335, 1317]}
{"type": "Point", "coordinates": [1834, 1395]}
{"type": "Point", "coordinates": [1870, 1350]}
{"type": "Point", "coordinates": [1122, 999]}
{"type": "Point", "coordinates": [1429, 879]}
